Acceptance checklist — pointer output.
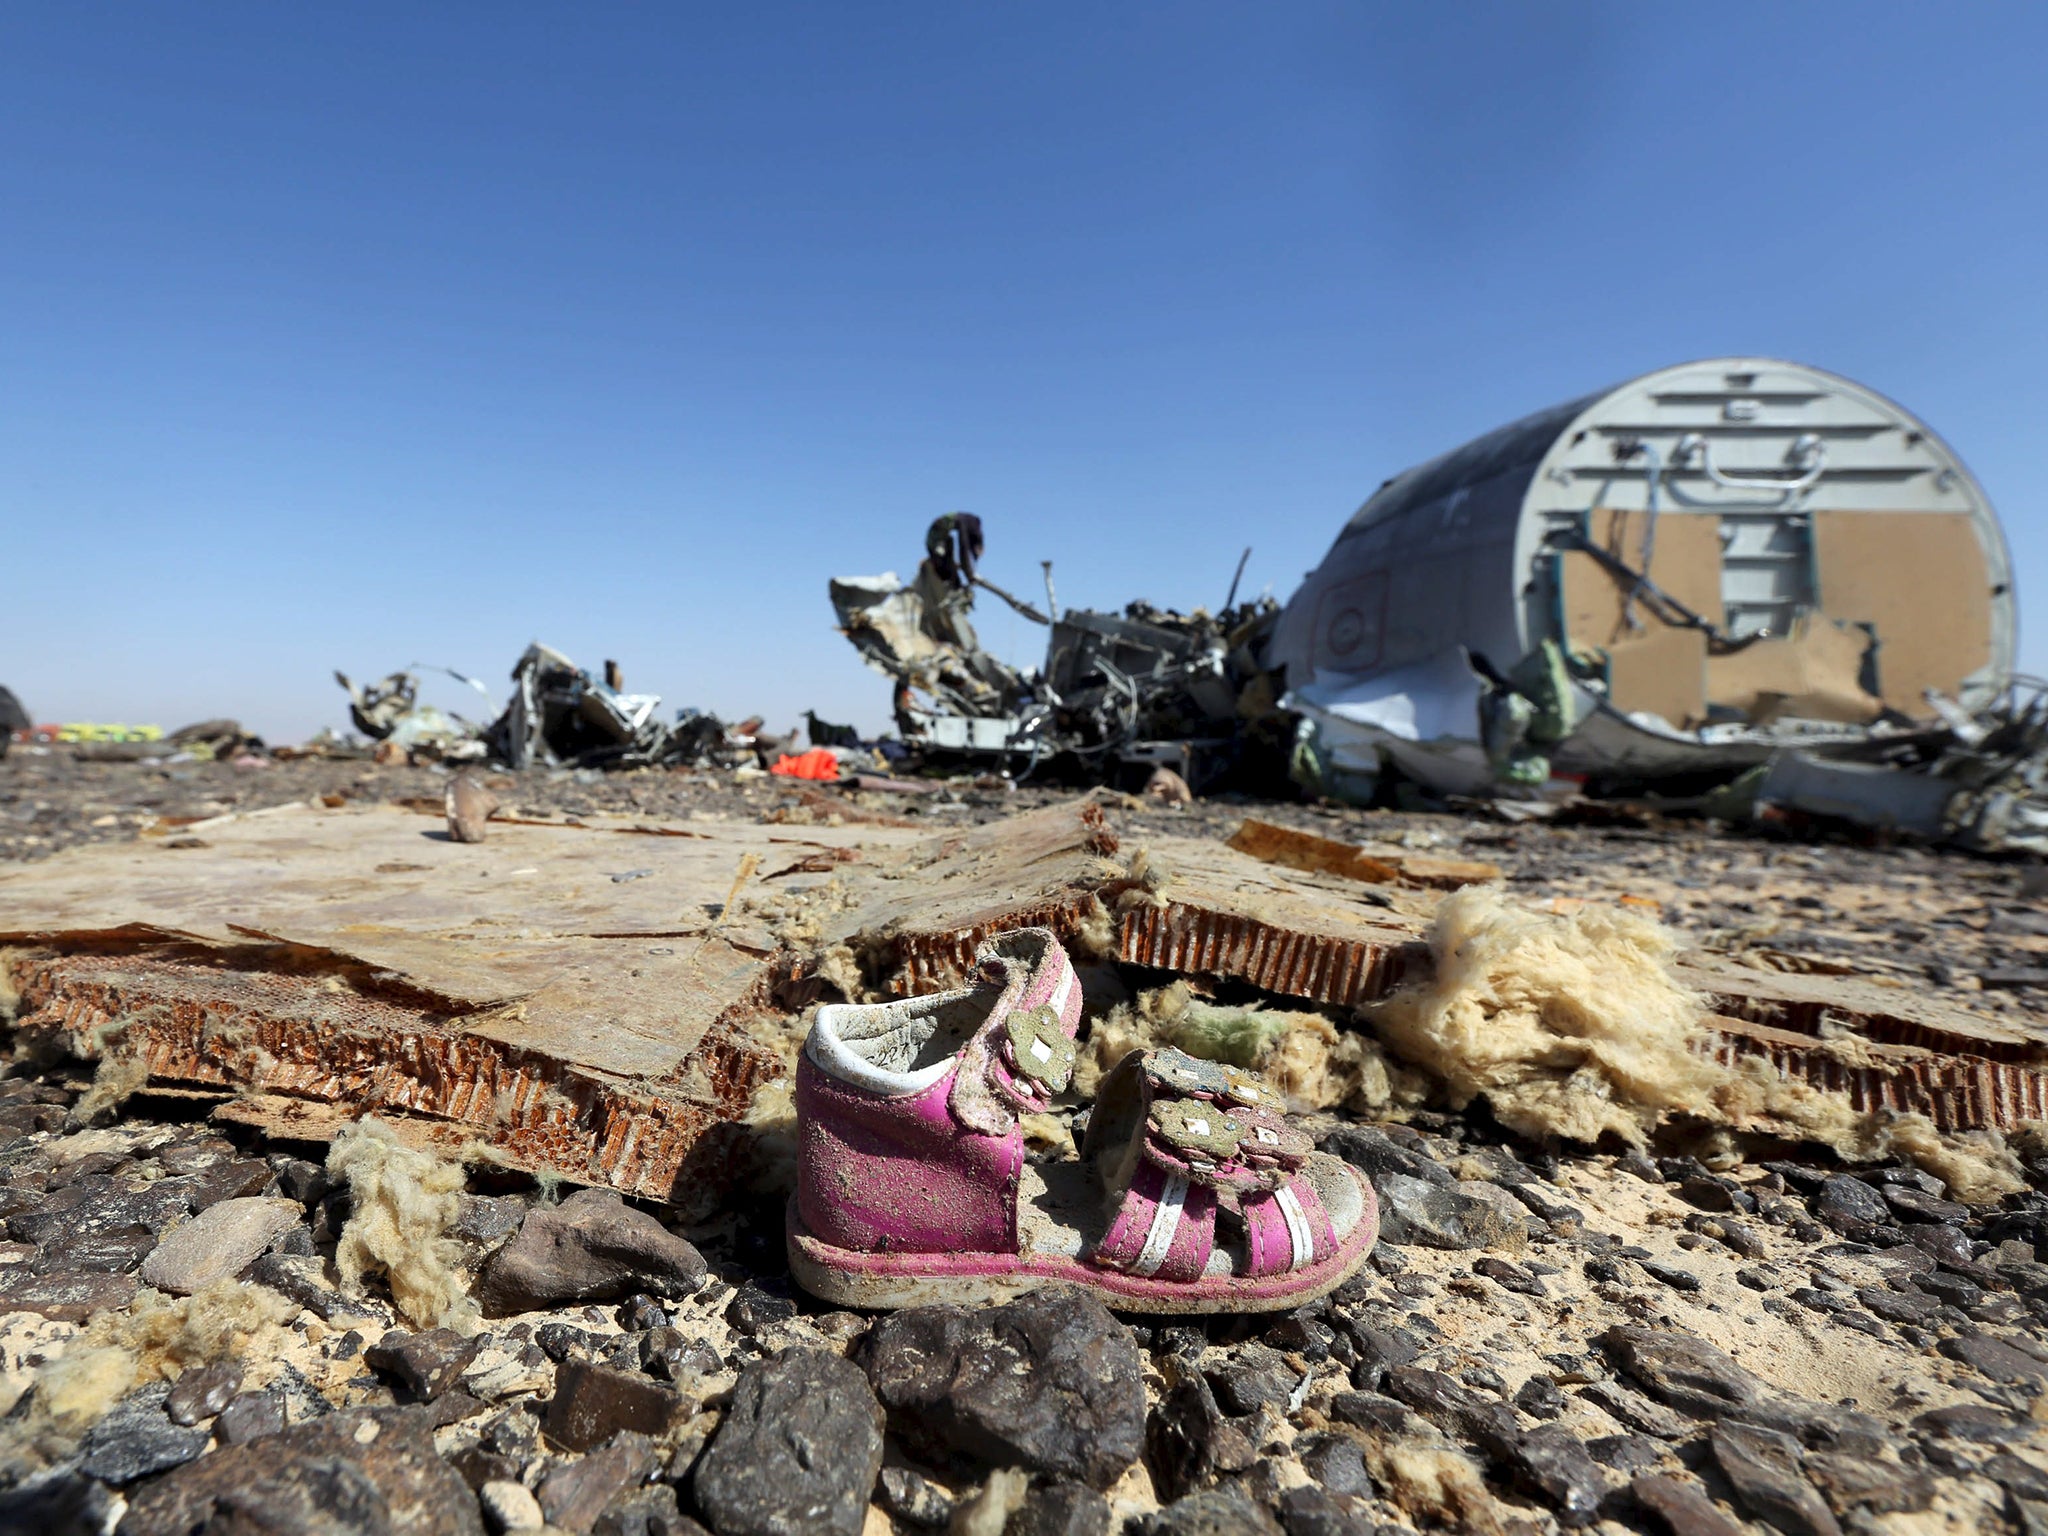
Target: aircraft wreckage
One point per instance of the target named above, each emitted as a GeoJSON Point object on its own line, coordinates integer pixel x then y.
{"type": "Point", "coordinates": [519, 1001]}
{"type": "Point", "coordinates": [1745, 585]}
{"type": "Point", "coordinates": [1138, 690]}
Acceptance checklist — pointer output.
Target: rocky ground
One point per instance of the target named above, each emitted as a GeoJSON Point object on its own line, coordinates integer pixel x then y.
{"type": "Point", "coordinates": [1544, 1339]}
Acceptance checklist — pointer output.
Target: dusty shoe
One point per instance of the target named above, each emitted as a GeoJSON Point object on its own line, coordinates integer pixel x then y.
{"type": "Point", "coordinates": [1194, 1193]}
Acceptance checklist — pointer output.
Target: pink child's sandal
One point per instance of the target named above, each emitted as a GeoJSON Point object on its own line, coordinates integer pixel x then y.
{"type": "Point", "coordinates": [1193, 1192]}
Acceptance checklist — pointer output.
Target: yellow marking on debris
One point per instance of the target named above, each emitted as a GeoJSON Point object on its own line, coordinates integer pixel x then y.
{"type": "Point", "coordinates": [749, 862]}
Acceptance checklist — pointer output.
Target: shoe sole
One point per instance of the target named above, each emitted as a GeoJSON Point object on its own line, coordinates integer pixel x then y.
{"type": "Point", "coordinates": [884, 1281]}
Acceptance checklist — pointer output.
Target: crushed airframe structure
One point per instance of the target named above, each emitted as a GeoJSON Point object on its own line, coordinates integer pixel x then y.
{"type": "Point", "coordinates": [558, 715]}
{"type": "Point", "coordinates": [519, 1001]}
{"type": "Point", "coordinates": [1119, 693]}
{"type": "Point", "coordinates": [1734, 570]}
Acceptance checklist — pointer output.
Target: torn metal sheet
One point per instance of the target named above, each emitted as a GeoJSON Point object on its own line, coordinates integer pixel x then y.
{"type": "Point", "coordinates": [1869, 794]}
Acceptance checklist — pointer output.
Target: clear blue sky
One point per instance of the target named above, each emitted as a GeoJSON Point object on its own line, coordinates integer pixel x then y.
{"type": "Point", "coordinates": [348, 336]}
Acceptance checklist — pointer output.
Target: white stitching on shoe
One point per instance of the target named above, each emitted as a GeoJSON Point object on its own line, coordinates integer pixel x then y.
{"type": "Point", "coordinates": [1298, 1232]}
{"type": "Point", "coordinates": [1062, 991]}
{"type": "Point", "coordinates": [1165, 1223]}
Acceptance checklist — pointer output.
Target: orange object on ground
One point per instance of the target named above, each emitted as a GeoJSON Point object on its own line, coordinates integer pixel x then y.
{"type": "Point", "coordinates": [814, 764]}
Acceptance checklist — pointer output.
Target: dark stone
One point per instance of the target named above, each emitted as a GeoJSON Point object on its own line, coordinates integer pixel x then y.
{"type": "Point", "coordinates": [1189, 1440]}
{"type": "Point", "coordinates": [64, 1297]}
{"type": "Point", "coordinates": [1626, 1454]}
{"type": "Point", "coordinates": [649, 1511]}
{"type": "Point", "coordinates": [1565, 1218]}
{"type": "Point", "coordinates": [452, 1408]}
{"type": "Point", "coordinates": [1373, 1153]}
{"type": "Point", "coordinates": [1865, 1482]}
{"type": "Point", "coordinates": [1603, 1269]}
{"type": "Point", "coordinates": [504, 1447]}
{"type": "Point", "coordinates": [753, 1309]}
{"type": "Point", "coordinates": [1899, 1306]}
{"type": "Point", "coordinates": [426, 1364]}
{"type": "Point", "coordinates": [26, 1119]}
{"type": "Point", "coordinates": [201, 1393]}
{"type": "Point", "coordinates": [1313, 1512]}
{"type": "Point", "coordinates": [1731, 1233]}
{"type": "Point", "coordinates": [1849, 1205]}
{"type": "Point", "coordinates": [1998, 1310]}
{"type": "Point", "coordinates": [16, 1199]}
{"type": "Point", "coordinates": [223, 1181]}
{"type": "Point", "coordinates": [300, 1180]}
{"type": "Point", "coordinates": [638, 1314]}
{"type": "Point", "coordinates": [1451, 1405]}
{"type": "Point", "coordinates": [60, 1502]}
{"type": "Point", "coordinates": [798, 1451]}
{"type": "Point", "coordinates": [1379, 1350]}
{"type": "Point", "coordinates": [300, 1280]}
{"type": "Point", "coordinates": [1635, 1161]}
{"type": "Point", "coordinates": [1707, 1192]}
{"type": "Point", "coordinates": [1550, 1462]}
{"type": "Point", "coordinates": [1060, 1507]}
{"type": "Point", "coordinates": [2021, 1478]}
{"type": "Point", "coordinates": [1540, 1398]}
{"type": "Point", "coordinates": [250, 1417]}
{"type": "Point", "coordinates": [97, 1207]}
{"type": "Point", "coordinates": [367, 1470]}
{"type": "Point", "coordinates": [1300, 1334]}
{"type": "Point", "coordinates": [1669, 1274]}
{"type": "Point", "coordinates": [1681, 1508]}
{"type": "Point", "coordinates": [1989, 1276]}
{"type": "Point", "coordinates": [1953, 1289]}
{"type": "Point", "coordinates": [1974, 1422]}
{"type": "Point", "coordinates": [136, 1439]}
{"type": "Point", "coordinates": [591, 1247]}
{"type": "Point", "coordinates": [484, 1221]}
{"type": "Point", "coordinates": [1815, 1300]}
{"type": "Point", "coordinates": [1763, 1467]}
{"type": "Point", "coordinates": [1917, 1205]}
{"type": "Point", "coordinates": [1509, 1276]}
{"type": "Point", "coordinates": [1951, 1244]}
{"type": "Point", "coordinates": [560, 1341]}
{"type": "Point", "coordinates": [1254, 1376]}
{"type": "Point", "coordinates": [1994, 1358]}
{"type": "Point", "coordinates": [575, 1494]}
{"type": "Point", "coordinates": [197, 1153]}
{"type": "Point", "coordinates": [108, 1253]}
{"type": "Point", "coordinates": [1694, 1377]}
{"type": "Point", "coordinates": [1335, 1462]}
{"type": "Point", "coordinates": [913, 1498]}
{"type": "Point", "coordinates": [1636, 1411]}
{"type": "Point", "coordinates": [1212, 1512]}
{"type": "Point", "coordinates": [594, 1402]}
{"type": "Point", "coordinates": [1416, 1212]}
{"type": "Point", "coordinates": [1050, 1382]}
{"type": "Point", "coordinates": [669, 1354]}
{"type": "Point", "coordinates": [1369, 1410]}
